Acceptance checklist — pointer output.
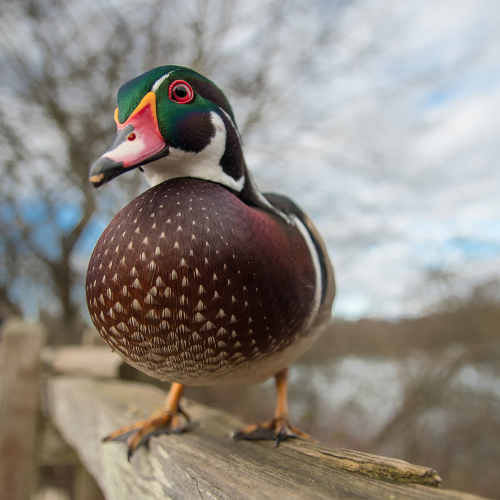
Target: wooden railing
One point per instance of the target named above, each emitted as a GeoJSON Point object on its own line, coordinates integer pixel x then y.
{"type": "Point", "coordinates": [83, 401]}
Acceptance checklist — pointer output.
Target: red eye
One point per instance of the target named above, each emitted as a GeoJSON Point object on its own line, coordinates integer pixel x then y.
{"type": "Point", "coordinates": [181, 92]}
{"type": "Point", "coordinates": [131, 137]}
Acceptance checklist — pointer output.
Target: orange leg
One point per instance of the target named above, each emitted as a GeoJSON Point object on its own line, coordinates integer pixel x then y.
{"type": "Point", "coordinates": [278, 428]}
{"type": "Point", "coordinates": [139, 433]}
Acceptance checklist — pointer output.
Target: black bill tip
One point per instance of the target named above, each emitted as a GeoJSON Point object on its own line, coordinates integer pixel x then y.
{"type": "Point", "coordinates": [103, 170]}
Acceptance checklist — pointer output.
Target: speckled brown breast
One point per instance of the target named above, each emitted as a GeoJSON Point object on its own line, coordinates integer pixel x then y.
{"type": "Point", "coordinates": [190, 285]}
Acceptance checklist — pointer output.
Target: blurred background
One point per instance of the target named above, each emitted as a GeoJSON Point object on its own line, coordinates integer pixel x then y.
{"type": "Point", "coordinates": [379, 117]}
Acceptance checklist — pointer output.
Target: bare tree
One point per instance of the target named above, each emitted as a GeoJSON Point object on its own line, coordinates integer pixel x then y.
{"type": "Point", "coordinates": [63, 64]}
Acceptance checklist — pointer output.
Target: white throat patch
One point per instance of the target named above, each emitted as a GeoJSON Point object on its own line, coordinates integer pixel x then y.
{"type": "Point", "coordinates": [203, 165]}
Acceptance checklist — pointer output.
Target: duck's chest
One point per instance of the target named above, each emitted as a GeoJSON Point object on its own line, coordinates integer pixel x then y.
{"type": "Point", "coordinates": [188, 281]}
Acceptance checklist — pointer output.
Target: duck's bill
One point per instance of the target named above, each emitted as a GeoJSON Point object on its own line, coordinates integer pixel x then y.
{"type": "Point", "coordinates": [138, 142]}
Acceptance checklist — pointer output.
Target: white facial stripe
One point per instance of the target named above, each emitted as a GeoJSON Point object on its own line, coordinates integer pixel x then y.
{"type": "Point", "coordinates": [234, 126]}
{"type": "Point", "coordinates": [158, 82]}
{"type": "Point", "coordinates": [203, 165]}
{"type": "Point", "coordinates": [317, 268]}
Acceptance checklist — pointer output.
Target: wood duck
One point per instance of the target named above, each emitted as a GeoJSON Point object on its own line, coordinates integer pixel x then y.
{"type": "Point", "coordinates": [202, 279]}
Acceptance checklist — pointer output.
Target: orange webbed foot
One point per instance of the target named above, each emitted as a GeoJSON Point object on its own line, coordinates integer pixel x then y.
{"type": "Point", "coordinates": [277, 429]}
{"type": "Point", "coordinates": [167, 422]}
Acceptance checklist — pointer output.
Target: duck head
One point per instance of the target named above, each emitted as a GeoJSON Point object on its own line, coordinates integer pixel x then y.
{"type": "Point", "coordinates": [174, 122]}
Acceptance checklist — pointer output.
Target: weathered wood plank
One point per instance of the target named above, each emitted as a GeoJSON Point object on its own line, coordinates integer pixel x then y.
{"type": "Point", "coordinates": [19, 384]}
{"type": "Point", "coordinates": [85, 361]}
{"type": "Point", "coordinates": [206, 463]}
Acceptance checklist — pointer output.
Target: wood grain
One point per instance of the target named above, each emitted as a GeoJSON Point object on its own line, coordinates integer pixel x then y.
{"type": "Point", "coordinates": [205, 463]}
{"type": "Point", "coordinates": [19, 383]}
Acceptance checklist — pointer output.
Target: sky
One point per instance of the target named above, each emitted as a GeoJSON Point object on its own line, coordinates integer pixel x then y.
{"type": "Point", "coordinates": [398, 161]}
{"type": "Point", "coordinates": [411, 186]}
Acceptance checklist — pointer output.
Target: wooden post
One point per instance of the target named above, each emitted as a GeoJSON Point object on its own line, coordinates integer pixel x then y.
{"type": "Point", "coordinates": [20, 346]}
{"type": "Point", "coordinates": [206, 463]}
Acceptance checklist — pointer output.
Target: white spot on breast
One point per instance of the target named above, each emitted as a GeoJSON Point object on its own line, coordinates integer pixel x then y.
{"type": "Point", "coordinates": [115, 278]}
{"type": "Point", "coordinates": [118, 307]}
{"type": "Point", "coordinates": [206, 260]}
{"type": "Point", "coordinates": [159, 282]}
{"type": "Point", "coordinates": [246, 304]}
{"type": "Point", "coordinates": [201, 290]}
{"type": "Point", "coordinates": [117, 248]}
{"type": "Point", "coordinates": [225, 267]}
{"type": "Point", "coordinates": [133, 272]}
{"type": "Point", "coordinates": [220, 314]}
{"type": "Point", "coordinates": [165, 313]}
{"type": "Point", "coordinates": [167, 292]}
{"type": "Point", "coordinates": [153, 291]}
{"type": "Point", "coordinates": [145, 241]}
{"type": "Point", "coordinates": [157, 251]}
{"type": "Point", "coordinates": [233, 319]}
{"type": "Point", "coordinates": [196, 272]}
{"type": "Point", "coordinates": [104, 280]}
{"type": "Point", "coordinates": [207, 326]}
{"type": "Point", "coordinates": [151, 314]}
{"type": "Point", "coordinates": [173, 275]}
{"type": "Point", "coordinates": [195, 336]}
{"type": "Point", "coordinates": [233, 300]}
{"type": "Point", "coordinates": [133, 322]}
{"type": "Point", "coordinates": [149, 299]}
{"type": "Point", "coordinates": [185, 281]}
{"type": "Point", "coordinates": [111, 313]}
{"type": "Point", "coordinates": [199, 318]}
{"type": "Point", "coordinates": [136, 284]}
{"type": "Point", "coordinates": [122, 262]}
{"type": "Point", "coordinates": [181, 315]}
{"type": "Point", "coordinates": [216, 295]}
{"type": "Point", "coordinates": [179, 228]}
{"type": "Point", "coordinates": [177, 245]}
{"type": "Point", "coordinates": [152, 215]}
{"type": "Point", "coordinates": [215, 277]}
{"type": "Point", "coordinates": [143, 257]}
{"type": "Point", "coordinates": [124, 291]}
{"type": "Point", "coordinates": [152, 266]}
{"type": "Point", "coordinates": [153, 226]}
{"type": "Point", "coordinates": [162, 235]}
{"type": "Point", "coordinates": [137, 231]}
{"type": "Point", "coordinates": [136, 305]}
{"type": "Point", "coordinates": [237, 345]}
{"type": "Point", "coordinates": [182, 329]}
{"type": "Point", "coordinates": [200, 306]}
{"type": "Point", "coordinates": [169, 221]}
{"type": "Point", "coordinates": [183, 263]}
{"type": "Point", "coordinates": [228, 282]}
{"type": "Point", "coordinates": [101, 299]}
{"type": "Point", "coordinates": [163, 325]}
{"type": "Point", "coordinates": [221, 331]}
{"type": "Point", "coordinates": [253, 342]}
{"type": "Point", "coordinates": [123, 327]}
{"type": "Point", "coordinates": [233, 334]}
{"type": "Point", "coordinates": [250, 320]}
{"type": "Point", "coordinates": [114, 330]}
